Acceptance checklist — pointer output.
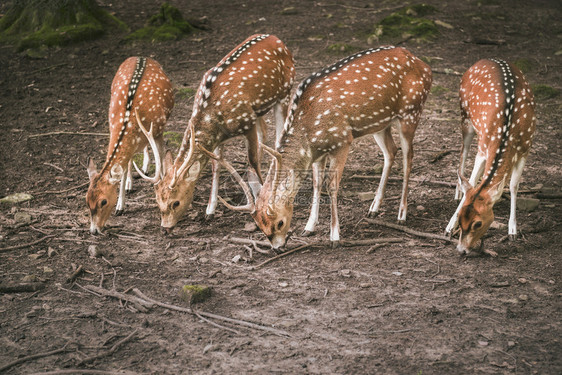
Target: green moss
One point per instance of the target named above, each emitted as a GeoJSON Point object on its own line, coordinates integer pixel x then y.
{"type": "Point", "coordinates": [195, 293]}
{"type": "Point", "coordinates": [173, 139]}
{"type": "Point", "coordinates": [138, 159]}
{"type": "Point", "coordinates": [543, 92]}
{"type": "Point", "coordinates": [438, 90]}
{"type": "Point", "coordinates": [168, 24]}
{"type": "Point", "coordinates": [185, 93]}
{"type": "Point", "coordinates": [34, 23]}
{"type": "Point", "coordinates": [524, 64]}
{"type": "Point", "coordinates": [407, 22]}
{"type": "Point", "coordinates": [342, 47]}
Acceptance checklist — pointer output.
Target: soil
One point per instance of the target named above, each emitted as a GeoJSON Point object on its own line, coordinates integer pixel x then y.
{"type": "Point", "coordinates": [414, 306]}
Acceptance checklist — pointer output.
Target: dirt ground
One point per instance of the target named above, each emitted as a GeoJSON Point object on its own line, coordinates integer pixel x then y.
{"type": "Point", "coordinates": [410, 307]}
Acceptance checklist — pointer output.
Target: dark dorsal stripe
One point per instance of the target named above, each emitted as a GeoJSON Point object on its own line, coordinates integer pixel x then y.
{"type": "Point", "coordinates": [317, 76]}
{"type": "Point", "coordinates": [133, 86]}
{"type": "Point", "coordinates": [214, 73]}
{"type": "Point", "coordinates": [508, 87]}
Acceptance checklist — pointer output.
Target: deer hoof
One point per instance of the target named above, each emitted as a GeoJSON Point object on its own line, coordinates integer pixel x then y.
{"type": "Point", "coordinates": [512, 237]}
{"type": "Point", "coordinates": [401, 222]}
{"type": "Point", "coordinates": [306, 233]}
{"type": "Point", "coordinates": [335, 244]}
{"type": "Point", "coordinates": [372, 214]}
{"type": "Point", "coordinates": [209, 217]}
{"type": "Point", "coordinates": [119, 212]}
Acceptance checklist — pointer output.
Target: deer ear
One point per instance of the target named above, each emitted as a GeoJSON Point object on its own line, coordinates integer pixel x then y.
{"type": "Point", "coordinates": [464, 184]}
{"type": "Point", "coordinates": [168, 162]}
{"type": "Point", "coordinates": [193, 172]}
{"type": "Point", "coordinates": [91, 168]}
{"type": "Point", "coordinates": [115, 174]}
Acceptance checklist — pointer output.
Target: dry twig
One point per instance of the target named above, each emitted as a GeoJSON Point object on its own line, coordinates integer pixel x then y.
{"type": "Point", "coordinates": [21, 288]}
{"type": "Point", "coordinates": [9, 248]}
{"type": "Point", "coordinates": [67, 133]}
{"type": "Point", "coordinates": [35, 356]}
{"type": "Point", "coordinates": [409, 230]}
{"type": "Point", "coordinates": [110, 351]}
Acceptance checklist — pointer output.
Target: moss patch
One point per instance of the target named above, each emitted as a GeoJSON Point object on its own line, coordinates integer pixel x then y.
{"type": "Point", "coordinates": [195, 293]}
{"type": "Point", "coordinates": [342, 48]}
{"type": "Point", "coordinates": [543, 92]}
{"type": "Point", "coordinates": [524, 64]}
{"type": "Point", "coordinates": [35, 23]}
{"type": "Point", "coordinates": [173, 138]}
{"type": "Point", "coordinates": [167, 24]}
{"type": "Point", "coordinates": [185, 93]}
{"type": "Point", "coordinates": [439, 90]}
{"type": "Point", "coordinates": [408, 22]}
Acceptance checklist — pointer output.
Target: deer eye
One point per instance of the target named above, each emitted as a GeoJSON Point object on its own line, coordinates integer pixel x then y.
{"type": "Point", "coordinates": [280, 225]}
{"type": "Point", "coordinates": [477, 225]}
{"type": "Point", "coordinates": [103, 202]}
{"type": "Point", "coordinates": [175, 204]}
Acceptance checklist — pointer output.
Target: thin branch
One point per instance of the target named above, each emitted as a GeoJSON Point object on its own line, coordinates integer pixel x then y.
{"type": "Point", "coordinates": [211, 315]}
{"type": "Point", "coordinates": [21, 288]}
{"type": "Point", "coordinates": [110, 351]}
{"type": "Point", "coordinates": [62, 191]}
{"type": "Point", "coordinates": [399, 179]}
{"type": "Point", "coordinates": [299, 248]}
{"type": "Point", "coordinates": [9, 248]}
{"type": "Point", "coordinates": [408, 230]}
{"type": "Point", "coordinates": [213, 323]}
{"type": "Point", "coordinates": [68, 133]}
{"type": "Point", "coordinates": [84, 371]}
{"type": "Point", "coordinates": [35, 356]}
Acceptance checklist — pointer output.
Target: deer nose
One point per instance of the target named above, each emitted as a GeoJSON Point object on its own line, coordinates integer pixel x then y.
{"type": "Point", "coordinates": [94, 230]}
{"type": "Point", "coordinates": [167, 231]}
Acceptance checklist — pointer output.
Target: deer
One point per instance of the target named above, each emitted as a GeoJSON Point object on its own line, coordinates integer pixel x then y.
{"type": "Point", "coordinates": [496, 98]}
{"type": "Point", "coordinates": [367, 93]}
{"type": "Point", "coordinates": [231, 101]}
{"type": "Point", "coordinates": [140, 93]}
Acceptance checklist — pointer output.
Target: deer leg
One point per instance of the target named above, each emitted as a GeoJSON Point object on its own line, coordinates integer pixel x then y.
{"type": "Point", "coordinates": [145, 160]}
{"type": "Point", "coordinates": [317, 177]}
{"type": "Point", "coordinates": [213, 197]}
{"type": "Point", "coordinates": [278, 111]}
{"type": "Point", "coordinates": [513, 188]}
{"type": "Point", "coordinates": [407, 129]}
{"type": "Point", "coordinates": [120, 207]}
{"type": "Point", "coordinates": [255, 179]}
{"type": "Point", "coordinates": [389, 149]}
{"type": "Point", "coordinates": [478, 169]}
{"type": "Point", "coordinates": [335, 171]}
{"type": "Point", "coordinates": [128, 177]}
{"type": "Point", "coordinates": [467, 136]}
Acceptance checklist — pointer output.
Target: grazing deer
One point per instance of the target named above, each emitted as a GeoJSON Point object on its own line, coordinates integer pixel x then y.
{"type": "Point", "coordinates": [363, 94]}
{"type": "Point", "coordinates": [497, 99]}
{"type": "Point", "coordinates": [140, 92]}
{"type": "Point", "coordinates": [231, 100]}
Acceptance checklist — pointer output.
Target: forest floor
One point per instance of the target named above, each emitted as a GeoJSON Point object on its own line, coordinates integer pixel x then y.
{"type": "Point", "coordinates": [408, 307]}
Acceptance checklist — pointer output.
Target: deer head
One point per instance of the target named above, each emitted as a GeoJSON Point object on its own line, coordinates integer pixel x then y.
{"type": "Point", "coordinates": [101, 197]}
{"type": "Point", "coordinates": [475, 217]}
{"type": "Point", "coordinates": [174, 193]}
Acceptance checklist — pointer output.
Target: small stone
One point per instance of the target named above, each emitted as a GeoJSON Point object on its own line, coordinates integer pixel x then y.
{"type": "Point", "coordinates": [51, 252]}
{"type": "Point", "coordinates": [510, 344]}
{"type": "Point", "coordinates": [364, 285]}
{"type": "Point", "coordinates": [397, 273]}
{"type": "Point", "coordinates": [95, 252]}
{"type": "Point", "coordinates": [283, 284]}
{"type": "Point", "coordinates": [345, 273]}
{"type": "Point", "coordinates": [250, 227]}
{"type": "Point", "coordinates": [523, 297]}
{"type": "Point", "coordinates": [195, 293]}
{"type": "Point", "coordinates": [483, 343]}
{"type": "Point", "coordinates": [16, 198]}
{"type": "Point", "coordinates": [29, 278]}
{"type": "Point", "coordinates": [236, 258]}
{"type": "Point", "coordinates": [22, 218]}
{"type": "Point", "coordinates": [366, 196]}
{"type": "Point", "coordinates": [527, 204]}
{"type": "Point", "coordinates": [203, 260]}
{"type": "Point", "coordinates": [420, 208]}
{"type": "Point", "coordinates": [522, 280]}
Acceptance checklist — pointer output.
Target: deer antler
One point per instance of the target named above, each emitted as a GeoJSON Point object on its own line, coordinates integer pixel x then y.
{"type": "Point", "coordinates": [278, 163]}
{"type": "Point", "coordinates": [250, 206]}
{"type": "Point", "coordinates": [179, 171]}
{"type": "Point", "coordinates": [150, 137]}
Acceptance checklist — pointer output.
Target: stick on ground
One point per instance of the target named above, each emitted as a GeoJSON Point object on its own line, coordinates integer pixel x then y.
{"type": "Point", "coordinates": [64, 349]}
{"type": "Point", "coordinates": [9, 248]}
{"type": "Point", "coordinates": [409, 230]}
